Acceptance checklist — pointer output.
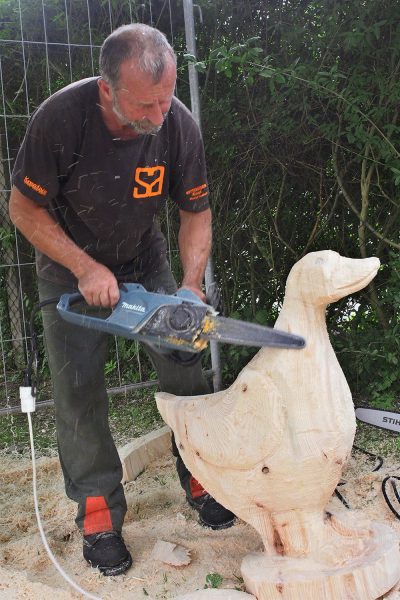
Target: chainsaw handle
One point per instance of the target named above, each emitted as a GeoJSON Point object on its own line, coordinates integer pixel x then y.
{"type": "Point", "coordinates": [70, 299]}
{"type": "Point", "coordinates": [67, 300]}
{"type": "Point", "coordinates": [108, 324]}
{"type": "Point", "coordinates": [76, 318]}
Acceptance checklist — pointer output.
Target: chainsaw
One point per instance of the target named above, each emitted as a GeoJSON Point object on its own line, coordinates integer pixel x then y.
{"type": "Point", "coordinates": [180, 321]}
{"type": "Point", "coordinates": [380, 418]}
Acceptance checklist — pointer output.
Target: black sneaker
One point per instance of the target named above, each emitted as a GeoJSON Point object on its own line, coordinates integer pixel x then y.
{"type": "Point", "coordinates": [107, 552]}
{"type": "Point", "coordinates": [211, 513]}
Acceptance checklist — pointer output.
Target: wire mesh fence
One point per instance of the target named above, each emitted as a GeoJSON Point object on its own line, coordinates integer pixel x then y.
{"type": "Point", "coordinates": [43, 47]}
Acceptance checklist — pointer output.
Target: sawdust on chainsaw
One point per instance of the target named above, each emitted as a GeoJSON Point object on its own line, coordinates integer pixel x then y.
{"type": "Point", "coordinates": [156, 510]}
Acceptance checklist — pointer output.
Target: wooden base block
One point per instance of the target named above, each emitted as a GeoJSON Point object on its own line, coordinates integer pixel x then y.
{"type": "Point", "coordinates": [365, 577]}
{"type": "Point", "coordinates": [136, 455]}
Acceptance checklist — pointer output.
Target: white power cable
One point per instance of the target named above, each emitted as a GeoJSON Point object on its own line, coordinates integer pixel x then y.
{"type": "Point", "coordinates": [29, 409]}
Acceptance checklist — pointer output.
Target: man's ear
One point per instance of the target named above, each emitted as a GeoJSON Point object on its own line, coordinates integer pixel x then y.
{"type": "Point", "coordinates": [105, 89]}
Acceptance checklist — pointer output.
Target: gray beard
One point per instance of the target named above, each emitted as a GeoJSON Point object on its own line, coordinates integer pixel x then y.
{"type": "Point", "coordinates": [143, 127]}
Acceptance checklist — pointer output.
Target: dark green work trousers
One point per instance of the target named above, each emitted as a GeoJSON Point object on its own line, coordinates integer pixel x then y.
{"type": "Point", "coordinates": [89, 459]}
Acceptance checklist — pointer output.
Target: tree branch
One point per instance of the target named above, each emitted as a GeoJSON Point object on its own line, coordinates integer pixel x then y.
{"type": "Point", "coordinates": [353, 207]}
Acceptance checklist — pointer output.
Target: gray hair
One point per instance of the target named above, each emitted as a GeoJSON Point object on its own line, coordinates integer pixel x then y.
{"type": "Point", "coordinates": [141, 43]}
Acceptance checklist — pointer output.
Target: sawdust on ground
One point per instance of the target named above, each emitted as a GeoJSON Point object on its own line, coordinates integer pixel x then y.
{"type": "Point", "coordinates": [156, 510]}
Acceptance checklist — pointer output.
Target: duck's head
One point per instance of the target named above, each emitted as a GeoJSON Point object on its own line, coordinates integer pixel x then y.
{"type": "Point", "coordinates": [323, 277]}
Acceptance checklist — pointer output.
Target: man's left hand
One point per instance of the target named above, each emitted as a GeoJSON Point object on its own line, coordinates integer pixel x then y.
{"type": "Point", "coordinates": [195, 289]}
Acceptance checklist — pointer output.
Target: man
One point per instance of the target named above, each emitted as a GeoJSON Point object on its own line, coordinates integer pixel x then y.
{"type": "Point", "coordinates": [99, 159]}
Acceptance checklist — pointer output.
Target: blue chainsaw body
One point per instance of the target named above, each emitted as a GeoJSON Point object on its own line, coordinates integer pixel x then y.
{"type": "Point", "coordinates": [180, 321]}
{"type": "Point", "coordinates": [135, 308]}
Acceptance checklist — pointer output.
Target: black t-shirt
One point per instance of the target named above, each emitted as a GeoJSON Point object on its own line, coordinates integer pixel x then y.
{"type": "Point", "coordinates": [105, 192]}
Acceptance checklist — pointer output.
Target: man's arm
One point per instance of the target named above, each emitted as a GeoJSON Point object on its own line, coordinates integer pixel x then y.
{"type": "Point", "coordinates": [194, 239]}
{"type": "Point", "coordinates": [95, 282]}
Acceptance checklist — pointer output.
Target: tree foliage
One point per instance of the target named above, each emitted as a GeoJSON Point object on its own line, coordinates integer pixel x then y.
{"type": "Point", "coordinates": [301, 117]}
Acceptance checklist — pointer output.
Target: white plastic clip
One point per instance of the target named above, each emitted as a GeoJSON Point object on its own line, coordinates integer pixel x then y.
{"type": "Point", "coordinates": [27, 399]}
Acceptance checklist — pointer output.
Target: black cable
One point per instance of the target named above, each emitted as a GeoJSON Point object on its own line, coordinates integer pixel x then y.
{"type": "Point", "coordinates": [342, 499]}
{"type": "Point", "coordinates": [33, 358]}
{"type": "Point", "coordinates": [372, 455]}
{"type": "Point", "coordinates": [396, 493]}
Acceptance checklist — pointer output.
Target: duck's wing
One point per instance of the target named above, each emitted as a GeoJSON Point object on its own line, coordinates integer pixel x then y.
{"type": "Point", "coordinates": [236, 428]}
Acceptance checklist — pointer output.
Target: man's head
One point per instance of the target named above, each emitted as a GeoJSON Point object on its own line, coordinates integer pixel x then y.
{"type": "Point", "coordinates": [138, 73]}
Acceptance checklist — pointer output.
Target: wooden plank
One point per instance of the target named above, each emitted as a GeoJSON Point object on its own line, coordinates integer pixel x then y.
{"type": "Point", "coordinates": [136, 455]}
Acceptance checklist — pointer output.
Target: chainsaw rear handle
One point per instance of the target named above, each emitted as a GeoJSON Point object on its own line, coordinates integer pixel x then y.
{"type": "Point", "coordinates": [76, 318]}
{"type": "Point", "coordinates": [121, 322]}
{"type": "Point", "coordinates": [69, 300]}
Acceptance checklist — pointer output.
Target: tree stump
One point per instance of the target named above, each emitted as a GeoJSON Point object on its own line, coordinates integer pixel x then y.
{"type": "Point", "coordinates": [271, 448]}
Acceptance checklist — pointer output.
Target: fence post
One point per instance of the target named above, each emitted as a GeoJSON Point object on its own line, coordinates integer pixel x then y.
{"type": "Point", "coordinates": [195, 106]}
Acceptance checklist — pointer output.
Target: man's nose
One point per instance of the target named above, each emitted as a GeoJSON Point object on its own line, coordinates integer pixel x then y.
{"type": "Point", "coordinates": [155, 114]}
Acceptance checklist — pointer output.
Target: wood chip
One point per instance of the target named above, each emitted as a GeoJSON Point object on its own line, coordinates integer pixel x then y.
{"type": "Point", "coordinates": [172, 554]}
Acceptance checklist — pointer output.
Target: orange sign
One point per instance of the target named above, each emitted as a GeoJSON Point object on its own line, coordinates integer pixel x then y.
{"type": "Point", "coordinates": [150, 181]}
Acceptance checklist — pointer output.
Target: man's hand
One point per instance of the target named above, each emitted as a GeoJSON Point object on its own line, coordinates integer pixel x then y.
{"type": "Point", "coordinates": [95, 282]}
{"type": "Point", "coordinates": [99, 286]}
{"type": "Point", "coordinates": [196, 290]}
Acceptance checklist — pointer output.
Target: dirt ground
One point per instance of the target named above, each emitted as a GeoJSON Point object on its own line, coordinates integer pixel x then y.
{"type": "Point", "coordinates": [156, 510]}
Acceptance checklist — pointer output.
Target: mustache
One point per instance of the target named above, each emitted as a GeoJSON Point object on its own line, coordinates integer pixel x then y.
{"type": "Point", "coordinates": [145, 126]}
{"type": "Point", "coordinates": [142, 126]}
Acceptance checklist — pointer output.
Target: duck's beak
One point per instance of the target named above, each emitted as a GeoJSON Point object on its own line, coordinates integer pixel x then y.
{"type": "Point", "coordinates": [352, 275]}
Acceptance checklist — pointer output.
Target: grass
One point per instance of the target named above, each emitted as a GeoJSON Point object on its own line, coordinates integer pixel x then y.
{"type": "Point", "coordinates": [213, 580]}
{"type": "Point", "coordinates": [133, 415]}
{"type": "Point", "coordinates": [378, 441]}
{"type": "Point", "coordinates": [130, 415]}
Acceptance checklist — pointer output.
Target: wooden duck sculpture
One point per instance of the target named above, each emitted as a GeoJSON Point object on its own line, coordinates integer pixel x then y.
{"type": "Point", "coordinates": [272, 447]}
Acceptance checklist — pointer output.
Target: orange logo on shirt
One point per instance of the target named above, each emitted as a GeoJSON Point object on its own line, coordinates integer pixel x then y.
{"type": "Point", "coordinates": [197, 192]}
{"type": "Point", "coordinates": [150, 181]}
{"type": "Point", "coordinates": [35, 186]}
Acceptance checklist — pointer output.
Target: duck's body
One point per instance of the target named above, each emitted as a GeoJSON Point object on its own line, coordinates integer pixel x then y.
{"type": "Point", "coordinates": [271, 448]}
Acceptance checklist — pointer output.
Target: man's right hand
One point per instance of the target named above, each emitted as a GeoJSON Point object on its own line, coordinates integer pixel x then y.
{"type": "Point", "coordinates": [96, 283]}
{"type": "Point", "coordinates": [98, 286]}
